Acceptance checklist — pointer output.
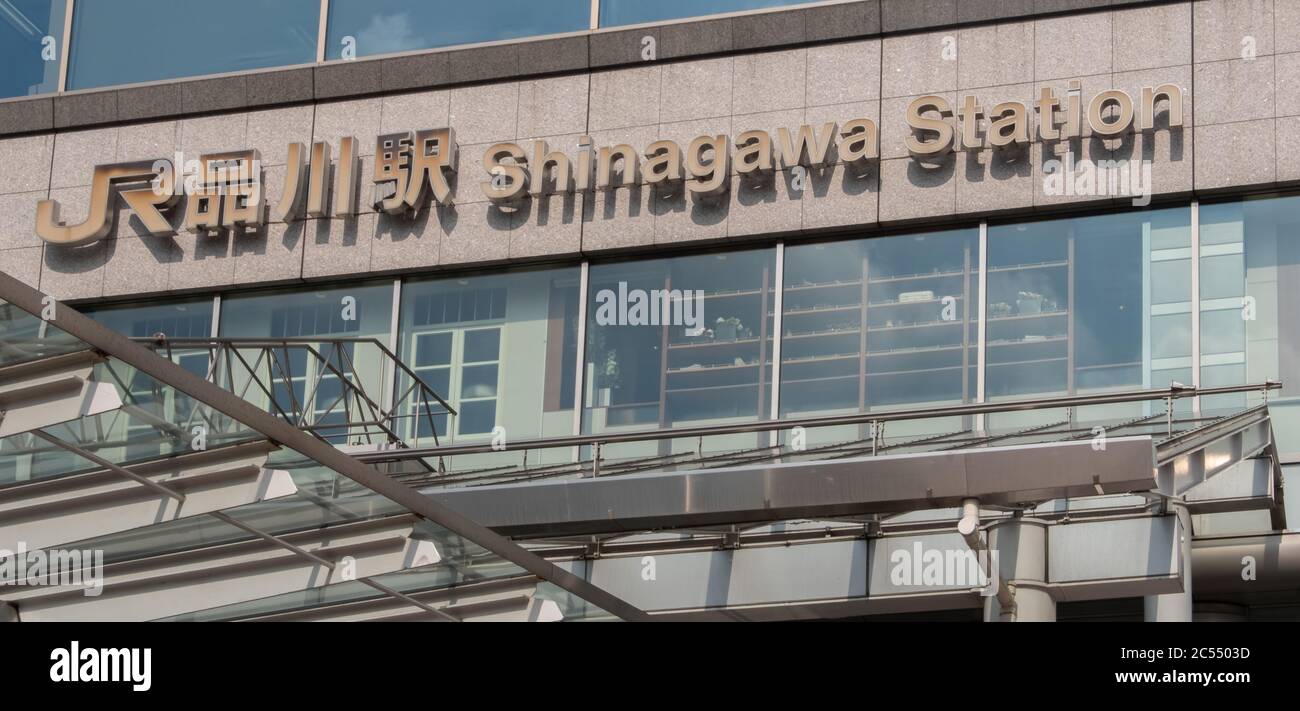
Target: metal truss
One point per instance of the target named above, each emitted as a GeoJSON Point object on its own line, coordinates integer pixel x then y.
{"type": "Point", "coordinates": [316, 385]}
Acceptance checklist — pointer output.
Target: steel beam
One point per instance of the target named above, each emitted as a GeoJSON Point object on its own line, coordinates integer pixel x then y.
{"type": "Point", "coordinates": [1193, 457]}
{"type": "Point", "coordinates": [1248, 485]}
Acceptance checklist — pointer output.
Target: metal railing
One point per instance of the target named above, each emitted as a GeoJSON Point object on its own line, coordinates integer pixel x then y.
{"type": "Point", "coordinates": [351, 391]}
{"type": "Point", "coordinates": [876, 420]}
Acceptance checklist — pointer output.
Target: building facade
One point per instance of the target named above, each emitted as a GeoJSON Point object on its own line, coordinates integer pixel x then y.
{"type": "Point", "coordinates": [984, 266]}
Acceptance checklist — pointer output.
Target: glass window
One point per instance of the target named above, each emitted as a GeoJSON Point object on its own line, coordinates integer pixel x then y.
{"type": "Point", "coordinates": [879, 323]}
{"type": "Point", "coordinates": [680, 341]}
{"type": "Point", "coordinates": [186, 38]}
{"type": "Point", "coordinates": [303, 374]}
{"type": "Point", "coordinates": [631, 12]}
{"type": "Point", "coordinates": [1250, 266]}
{"type": "Point", "coordinates": [385, 26]}
{"type": "Point", "coordinates": [1087, 304]}
{"type": "Point", "coordinates": [187, 319]}
{"type": "Point", "coordinates": [501, 349]}
{"type": "Point", "coordinates": [31, 46]}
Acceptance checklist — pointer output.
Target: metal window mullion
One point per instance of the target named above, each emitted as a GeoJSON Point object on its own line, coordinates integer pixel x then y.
{"type": "Point", "coordinates": [777, 307]}
{"type": "Point", "coordinates": [581, 361]}
{"type": "Point", "coordinates": [981, 317]}
{"type": "Point", "coordinates": [1196, 303]}
{"type": "Point", "coordinates": [321, 29]}
{"type": "Point", "coordinates": [216, 316]}
{"type": "Point", "coordinates": [388, 400]}
{"type": "Point", "coordinates": [214, 331]}
{"type": "Point", "coordinates": [595, 14]}
{"type": "Point", "coordinates": [65, 47]}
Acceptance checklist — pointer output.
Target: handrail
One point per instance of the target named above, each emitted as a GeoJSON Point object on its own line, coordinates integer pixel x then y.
{"type": "Point", "coordinates": [1174, 392]}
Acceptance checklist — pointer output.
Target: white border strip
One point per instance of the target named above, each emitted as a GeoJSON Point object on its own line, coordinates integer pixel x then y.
{"type": "Point", "coordinates": [581, 359]}
{"type": "Point", "coordinates": [320, 30]}
{"type": "Point", "coordinates": [1196, 302]}
{"type": "Point", "coordinates": [65, 45]}
{"type": "Point", "coordinates": [778, 286]}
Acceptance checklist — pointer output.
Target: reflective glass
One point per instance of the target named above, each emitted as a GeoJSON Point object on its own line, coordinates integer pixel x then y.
{"type": "Point", "coordinates": [23, 337]}
{"type": "Point", "coordinates": [680, 341]}
{"type": "Point", "coordinates": [188, 319]}
{"type": "Point", "coordinates": [155, 420]}
{"type": "Point", "coordinates": [31, 46]}
{"type": "Point", "coordinates": [130, 41]}
{"type": "Point", "coordinates": [501, 349]}
{"type": "Point", "coordinates": [363, 311]}
{"type": "Point", "coordinates": [880, 323]}
{"type": "Point", "coordinates": [631, 12]}
{"type": "Point", "coordinates": [1250, 266]}
{"type": "Point", "coordinates": [369, 27]}
{"type": "Point", "coordinates": [324, 499]}
{"type": "Point", "coordinates": [1088, 304]}
{"type": "Point", "coordinates": [324, 335]}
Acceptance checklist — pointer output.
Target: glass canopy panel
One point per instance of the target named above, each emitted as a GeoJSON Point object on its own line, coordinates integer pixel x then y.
{"type": "Point", "coordinates": [324, 499]}
{"type": "Point", "coordinates": [155, 420]}
{"type": "Point", "coordinates": [158, 421]}
{"type": "Point", "coordinates": [24, 337]}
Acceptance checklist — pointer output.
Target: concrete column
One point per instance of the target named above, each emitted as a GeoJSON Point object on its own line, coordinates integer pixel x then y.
{"type": "Point", "coordinates": [1021, 547]}
{"type": "Point", "coordinates": [1175, 607]}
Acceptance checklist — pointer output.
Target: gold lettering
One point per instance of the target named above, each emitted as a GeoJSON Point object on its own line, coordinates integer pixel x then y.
{"type": "Point", "coordinates": [941, 143]}
{"type": "Point", "coordinates": [107, 179]}
{"type": "Point", "coordinates": [514, 174]}
{"type": "Point", "coordinates": [708, 176]}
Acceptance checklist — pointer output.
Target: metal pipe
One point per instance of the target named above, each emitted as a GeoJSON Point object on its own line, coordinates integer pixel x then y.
{"type": "Point", "coordinates": [116, 469]}
{"type": "Point", "coordinates": [969, 528]}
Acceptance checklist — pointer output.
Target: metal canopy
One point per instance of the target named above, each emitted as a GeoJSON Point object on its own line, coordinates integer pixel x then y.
{"type": "Point", "coordinates": [1161, 453]}
{"type": "Point", "coordinates": [814, 489]}
{"type": "Point", "coordinates": [31, 338]}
